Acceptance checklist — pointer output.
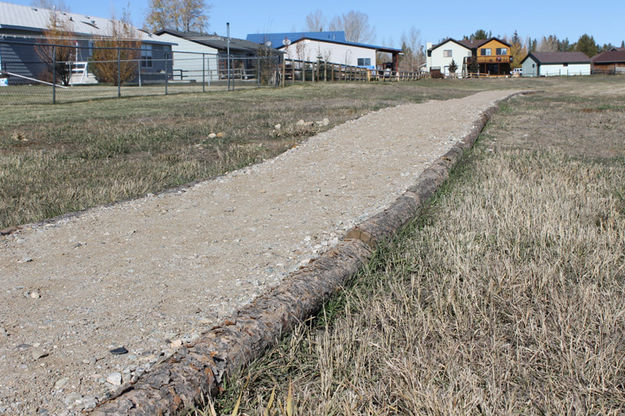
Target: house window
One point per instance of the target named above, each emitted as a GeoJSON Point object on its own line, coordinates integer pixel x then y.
{"type": "Point", "coordinates": [486, 52]}
{"type": "Point", "coordinates": [447, 53]}
{"type": "Point", "coordinates": [146, 56]}
{"type": "Point", "coordinates": [502, 51]}
{"type": "Point", "coordinates": [364, 61]}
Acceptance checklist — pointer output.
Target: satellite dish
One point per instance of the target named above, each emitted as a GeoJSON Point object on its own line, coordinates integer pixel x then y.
{"type": "Point", "coordinates": [286, 42]}
{"type": "Point", "coordinates": [268, 44]}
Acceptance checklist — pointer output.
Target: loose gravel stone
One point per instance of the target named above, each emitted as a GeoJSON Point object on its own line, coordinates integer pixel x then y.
{"type": "Point", "coordinates": [114, 379]}
{"type": "Point", "coordinates": [119, 351]}
{"type": "Point", "coordinates": [61, 383]}
{"type": "Point", "coordinates": [198, 248]}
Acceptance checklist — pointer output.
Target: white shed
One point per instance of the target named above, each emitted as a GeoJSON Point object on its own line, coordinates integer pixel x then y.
{"type": "Point", "coordinates": [439, 57]}
{"type": "Point", "coordinates": [549, 64]}
{"type": "Point", "coordinates": [188, 54]}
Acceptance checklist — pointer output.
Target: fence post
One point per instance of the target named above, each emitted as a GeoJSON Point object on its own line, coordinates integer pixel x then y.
{"type": "Point", "coordinates": [258, 71]}
{"type": "Point", "coordinates": [139, 71]}
{"type": "Point", "coordinates": [166, 80]}
{"type": "Point", "coordinates": [54, 75]}
{"type": "Point", "coordinates": [119, 72]}
{"type": "Point", "coordinates": [203, 73]}
{"type": "Point", "coordinates": [283, 71]}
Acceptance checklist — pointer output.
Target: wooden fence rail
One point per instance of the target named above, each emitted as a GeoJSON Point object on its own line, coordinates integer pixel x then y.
{"type": "Point", "coordinates": [293, 71]}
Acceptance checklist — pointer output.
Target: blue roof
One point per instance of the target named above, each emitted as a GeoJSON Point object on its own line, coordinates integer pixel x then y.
{"type": "Point", "coordinates": [277, 38]}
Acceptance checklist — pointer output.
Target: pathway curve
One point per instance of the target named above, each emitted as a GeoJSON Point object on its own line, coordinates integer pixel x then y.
{"type": "Point", "coordinates": [151, 273]}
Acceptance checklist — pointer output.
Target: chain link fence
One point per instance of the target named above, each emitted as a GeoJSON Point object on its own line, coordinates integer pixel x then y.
{"type": "Point", "coordinates": [72, 71]}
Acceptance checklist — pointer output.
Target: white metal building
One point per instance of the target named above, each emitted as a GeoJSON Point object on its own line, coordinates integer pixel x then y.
{"type": "Point", "coordinates": [549, 64]}
{"type": "Point", "coordinates": [192, 59]}
{"type": "Point", "coordinates": [439, 57]}
{"type": "Point", "coordinates": [327, 46]}
{"type": "Point", "coordinates": [337, 52]}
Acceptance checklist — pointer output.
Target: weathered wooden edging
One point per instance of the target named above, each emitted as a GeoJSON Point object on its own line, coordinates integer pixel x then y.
{"type": "Point", "coordinates": [195, 370]}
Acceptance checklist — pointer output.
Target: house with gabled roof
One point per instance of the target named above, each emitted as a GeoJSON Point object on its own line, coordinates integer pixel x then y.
{"type": "Point", "coordinates": [611, 61]}
{"type": "Point", "coordinates": [548, 64]}
{"type": "Point", "coordinates": [493, 57]}
{"type": "Point", "coordinates": [439, 58]}
{"type": "Point", "coordinates": [22, 28]}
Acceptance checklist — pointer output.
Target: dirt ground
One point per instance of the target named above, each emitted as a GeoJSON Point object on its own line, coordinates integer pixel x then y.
{"type": "Point", "coordinates": [152, 273]}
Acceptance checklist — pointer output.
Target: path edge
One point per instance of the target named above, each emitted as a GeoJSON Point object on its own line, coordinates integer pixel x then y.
{"type": "Point", "coordinates": [196, 369]}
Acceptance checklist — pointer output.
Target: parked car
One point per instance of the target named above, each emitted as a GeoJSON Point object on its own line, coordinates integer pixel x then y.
{"type": "Point", "coordinates": [517, 72]}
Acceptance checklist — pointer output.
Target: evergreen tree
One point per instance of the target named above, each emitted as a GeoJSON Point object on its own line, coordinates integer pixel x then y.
{"type": "Point", "coordinates": [453, 67]}
{"type": "Point", "coordinates": [517, 50]}
{"type": "Point", "coordinates": [587, 44]}
{"type": "Point", "coordinates": [474, 67]}
{"type": "Point", "coordinates": [480, 34]}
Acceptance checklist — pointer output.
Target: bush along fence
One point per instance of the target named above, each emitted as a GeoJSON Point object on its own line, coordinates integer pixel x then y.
{"type": "Point", "coordinates": [32, 71]}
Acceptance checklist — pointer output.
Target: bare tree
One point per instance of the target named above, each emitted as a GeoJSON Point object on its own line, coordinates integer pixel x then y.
{"type": "Point", "coordinates": [192, 15]}
{"type": "Point", "coordinates": [160, 16]}
{"type": "Point", "coordinates": [548, 44]}
{"type": "Point", "coordinates": [315, 21]}
{"type": "Point", "coordinates": [182, 15]}
{"type": "Point", "coordinates": [413, 50]}
{"type": "Point", "coordinates": [122, 44]}
{"type": "Point", "coordinates": [356, 26]}
{"type": "Point", "coordinates": [58, 5]}
{"type": "Point", "coordinates": [57, 49]}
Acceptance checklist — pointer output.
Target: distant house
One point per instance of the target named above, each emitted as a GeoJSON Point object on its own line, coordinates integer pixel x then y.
{"type": "Point", "coordinates": [493, 57]}
{"type": "Point", "coordinates": [326, 46]}
{"type": "Point", "coordinates": [548, 64]}
{"type": "Point", "coordinates": [439, 58]}
{"type": "Point", "coordinates": [243, 54]}
{"type": "Point", "coordinates": [23, 27]}
{"type": "Point", "coordinates": [609, 62]}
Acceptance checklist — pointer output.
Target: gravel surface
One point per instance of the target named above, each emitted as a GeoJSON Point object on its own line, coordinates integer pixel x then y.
{"type": "Point", "coordinates": [150, 274]}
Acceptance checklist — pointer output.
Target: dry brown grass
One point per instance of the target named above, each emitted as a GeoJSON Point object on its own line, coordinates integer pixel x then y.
{"type": "Point", "coordinates": [64, 158]}
{"type": "Point", "coordinates": [505, 297]}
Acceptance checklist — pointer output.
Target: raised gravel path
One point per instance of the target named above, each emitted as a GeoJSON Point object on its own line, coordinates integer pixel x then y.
{"type": "Point", "coordinates": [152, 273]}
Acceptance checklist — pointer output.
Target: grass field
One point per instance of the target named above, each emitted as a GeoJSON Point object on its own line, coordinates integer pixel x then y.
{"type": "Point", "coordinates": [68, 157]}
{"type": "Point", "coordinates": [63, 158]}
{"type": "Point", "coordinates": [505, 296]}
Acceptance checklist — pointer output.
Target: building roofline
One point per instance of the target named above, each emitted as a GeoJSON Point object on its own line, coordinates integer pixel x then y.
{"type": "Point", "coordinates": [537, 59]}
{"type": "Point", "coordinates": [359, 45]}
{"type": "Point", "coordinates": [448, 40]}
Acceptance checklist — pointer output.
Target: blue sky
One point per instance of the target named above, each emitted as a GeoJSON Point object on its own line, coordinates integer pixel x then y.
{"type": "Point", "coordinates": [435, 20]}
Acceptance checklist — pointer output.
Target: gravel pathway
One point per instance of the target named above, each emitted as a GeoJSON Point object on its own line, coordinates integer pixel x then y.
{"type": "Point", "coordinates": [152, 273]}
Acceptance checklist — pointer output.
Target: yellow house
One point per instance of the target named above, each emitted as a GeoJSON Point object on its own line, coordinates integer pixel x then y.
{"type": "Point", "coordinates": [493, 56]}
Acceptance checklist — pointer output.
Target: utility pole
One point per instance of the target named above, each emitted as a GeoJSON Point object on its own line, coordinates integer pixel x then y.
{"type": "Point", "coordinates": [228, 53]}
